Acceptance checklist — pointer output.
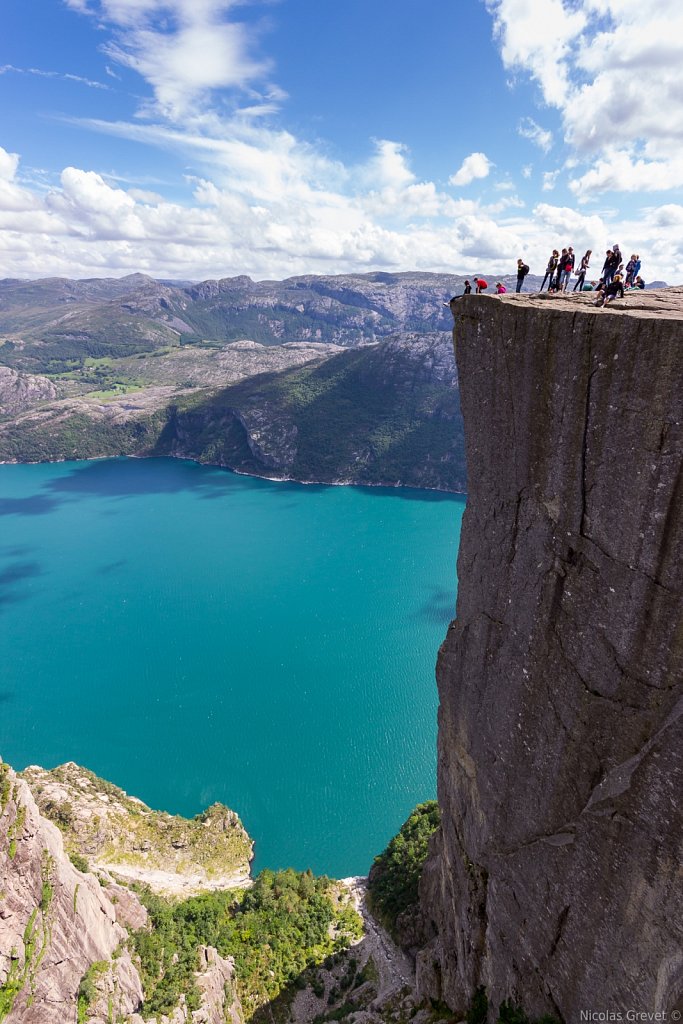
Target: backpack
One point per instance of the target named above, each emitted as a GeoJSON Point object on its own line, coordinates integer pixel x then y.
{"type": "Point", "coordinates": [524, 270]}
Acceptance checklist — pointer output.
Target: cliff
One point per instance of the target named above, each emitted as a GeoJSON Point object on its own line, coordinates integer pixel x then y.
{"type": "Point", "coordinates": [555, 879]}
{"type": "Point", "coordinates": [64, 950]}
{"type": "Point", "coordinates": [111, 832]}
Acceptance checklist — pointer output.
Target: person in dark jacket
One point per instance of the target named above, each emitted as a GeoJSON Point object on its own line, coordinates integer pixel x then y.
{"type": "Point", "coordinates": [630, 272]}
{"type": "Point", "coordinates": [611, 265]}
{"type": "Point", "coordinates": [466, 291]}
{"type": "Point", "coordinates": [550, 270]}
{"type": "Point", "coordinates": [522, 271]}
{"type": "Point", "coordinates": [611, 291]}
{"type": "Point", "coordinates": [560, 266]}
{"type": "Point", "coordinates": [585, 263]}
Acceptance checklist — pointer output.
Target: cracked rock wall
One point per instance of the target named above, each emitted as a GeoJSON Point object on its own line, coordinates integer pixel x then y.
{"type": "Point", "coordinates": [555, 880]}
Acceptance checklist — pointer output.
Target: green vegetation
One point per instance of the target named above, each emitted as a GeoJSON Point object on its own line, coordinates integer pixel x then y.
{"type": "Point", "coordinates": [79, 436]}
{"type": "Point", "coordinates": [479, 1007]}
{"type": "Point", "coordinates": [511, 1013]}
{"type": "Point", "coordinates": [5, 786]}
{"type": "Point", "coordinates": [508, 1012]}
{"type": "Point", "coordinates": [79, 861]}
{"type": "Point", "coordinates": [87, 989]}
{"type": "Point", "coordinates": [395, 875]}
{"type": "Point", "coordinates": [287, 923]}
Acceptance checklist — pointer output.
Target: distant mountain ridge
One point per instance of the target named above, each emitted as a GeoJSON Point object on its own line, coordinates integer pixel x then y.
{"type": "Point", "coordinates": [52, 325]}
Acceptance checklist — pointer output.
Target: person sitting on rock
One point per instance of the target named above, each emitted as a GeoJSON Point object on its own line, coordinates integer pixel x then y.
{"type": "Point", "coordinates": [637, 285]}
{"type": "Point", "coordinates": [481, 284]}
{"type": "Point", "coordinates": [500, 289]}
{"type": "Point", "coordinates": [610, 291]}
{"type": "Point", "coordinates": [466, 291]}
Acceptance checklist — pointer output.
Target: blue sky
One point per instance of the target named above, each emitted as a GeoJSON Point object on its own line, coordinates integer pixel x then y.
{"type": "Point", "coordinates": [206, 138]}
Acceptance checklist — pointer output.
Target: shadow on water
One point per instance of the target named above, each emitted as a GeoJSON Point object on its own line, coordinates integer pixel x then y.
{"type": "Point", "coordinates": [438, 608]}
{"type": "Point", "coordinates": [15, 551]}
{"type": "Point", "coordinates": [154, 476]}
{"type": "Point", "coordinates": [35, 505]}
{"type": "Point", "coordinates": [19, 571]}
{"type": "Point", "coordinates": [11, 579]}
{"type": "Point", "coordinates": [104, 570]}
{"type": "Point", "coordinates": [125, 477]}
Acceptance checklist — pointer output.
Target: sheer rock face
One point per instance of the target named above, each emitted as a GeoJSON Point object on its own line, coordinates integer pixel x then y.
{"type": "Point", "coordinates": [55, 921]}
{"type": "Point", "coordinates": [555, 881]}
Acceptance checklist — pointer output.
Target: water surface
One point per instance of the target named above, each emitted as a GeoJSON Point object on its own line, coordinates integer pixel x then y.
{"type": "Point", "coordinates": [193, 636]}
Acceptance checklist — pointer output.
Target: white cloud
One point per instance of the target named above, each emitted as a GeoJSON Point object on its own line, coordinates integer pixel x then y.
{"type": "Point", "coordinates": [613, 72]}
{"type": "Point", "coordinates": [9, 162]}
{"type": "Point", "coordinates": [619, 171]}
{"type": "Point", "coordinates": [474, 166]}
{"type": "Point", "coordinates": [541, 137]}
{"type": "Point", "coordinates": [41, 73]}
{"type": "Point", "coordinates": [86, 226]}
{"type": "Point", "coordinates": [538, 37]}
{"type": "Point", "coordinates": [550, 180]}
{"type": "Point", "coordinates": [184, 49]}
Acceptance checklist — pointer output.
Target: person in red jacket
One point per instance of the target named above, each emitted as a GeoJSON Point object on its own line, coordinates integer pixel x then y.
{"type": "Point", "coordinates": [481, 284]}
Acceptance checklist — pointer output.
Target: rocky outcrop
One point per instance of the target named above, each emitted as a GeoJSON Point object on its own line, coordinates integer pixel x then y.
{"type": "Point", "coordinates": [55, 921]}
{"type": "Point", "coordinates": [20, 391]}
{"type": "Point", "coordinates": [63, 951]}
{"type": "Point", "coordinates": [116, 833]}
{"type": "Point", "coordinates": [555, 881]}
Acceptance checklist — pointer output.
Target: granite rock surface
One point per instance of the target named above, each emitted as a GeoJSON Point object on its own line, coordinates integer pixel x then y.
{"type": "Point", "coordinates": [555, 881]}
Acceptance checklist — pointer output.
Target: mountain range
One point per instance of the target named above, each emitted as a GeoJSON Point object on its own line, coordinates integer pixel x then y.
{"type": "Point", "coordinates": [332, 379]}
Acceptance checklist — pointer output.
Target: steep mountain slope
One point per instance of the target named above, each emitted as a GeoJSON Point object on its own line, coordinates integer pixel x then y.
{"type": "Point", "coordinates": [383, 413]}
{"type": "Point", "coordinates": [555, 880]}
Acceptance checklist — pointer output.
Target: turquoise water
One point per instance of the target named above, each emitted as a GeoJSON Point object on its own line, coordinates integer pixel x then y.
{"type": "Point", "coordinates": [193, 636]}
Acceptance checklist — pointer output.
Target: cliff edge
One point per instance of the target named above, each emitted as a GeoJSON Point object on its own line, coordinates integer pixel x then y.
{"type": "Point", "coordinates": [555, 879]}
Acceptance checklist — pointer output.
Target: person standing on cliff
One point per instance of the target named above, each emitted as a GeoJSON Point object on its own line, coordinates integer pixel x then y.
{"type": "Point", "coordinates": [566, 267]}
{"type": "Point", "coordinates": [610, 265]}
{"type": "Point", "coordinates": [522, 271]}
{"type": "Point", "coordinates": [585, 263]}
{"type": "Point", "coordinates": [560, 266]}
{"type": "Point", "coordinates": [550, 270]}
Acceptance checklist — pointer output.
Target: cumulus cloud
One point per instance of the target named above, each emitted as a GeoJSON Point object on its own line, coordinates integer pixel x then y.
{"type": "Point", "coordinates": [87, 226]}
{"type": "Point", "coordinates": [613, 72]}
{"type": "Point", "coordinates": [476, 165]}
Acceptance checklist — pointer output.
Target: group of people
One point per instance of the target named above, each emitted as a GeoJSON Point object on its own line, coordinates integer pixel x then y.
{"type": "Point", "coordinates": [615, 280]}
{"type": "Point", "coordinates": [561, 266]}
